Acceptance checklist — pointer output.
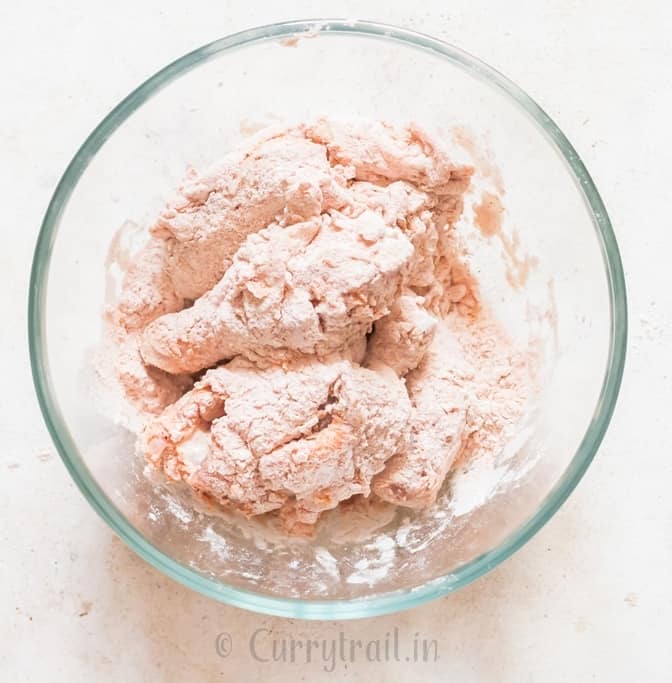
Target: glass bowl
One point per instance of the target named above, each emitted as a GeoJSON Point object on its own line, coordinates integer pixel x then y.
{"type": "Point", "coordinates": [193, 111]}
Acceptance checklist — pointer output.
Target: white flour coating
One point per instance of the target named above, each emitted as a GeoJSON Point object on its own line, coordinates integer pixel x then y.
{"type": "Point", "coordinates": [298, 439]}
{"type": "Point", "coordinates": [306, 289]}
{"type": "Point", "coordinates": [302, 332]}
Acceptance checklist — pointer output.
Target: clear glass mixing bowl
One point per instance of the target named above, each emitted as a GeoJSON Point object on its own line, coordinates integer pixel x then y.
{"type": "Point", "coordinates": [194, 110]}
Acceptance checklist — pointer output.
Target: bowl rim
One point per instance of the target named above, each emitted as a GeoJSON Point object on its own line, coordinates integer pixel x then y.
{"type": "Point", "coordinates": [386, 602]}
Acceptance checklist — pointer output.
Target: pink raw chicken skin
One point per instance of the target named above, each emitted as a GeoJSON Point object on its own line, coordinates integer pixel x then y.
{"type": "Point", "coordinates": [304, 289]}
{"type": "Point", "coordinates": [316, 277]}
{"type": "Point", "coordinates": [299, 439]}
{"type": "Point", "coordinates": [282, 176]}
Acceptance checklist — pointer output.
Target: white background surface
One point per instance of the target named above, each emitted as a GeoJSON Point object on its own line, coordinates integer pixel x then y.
{"type": "Point", "coordinates": [587, 599]}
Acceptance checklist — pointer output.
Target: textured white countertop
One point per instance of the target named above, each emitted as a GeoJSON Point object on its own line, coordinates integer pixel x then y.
{"type": "Point", "coordinates": [588, 599]}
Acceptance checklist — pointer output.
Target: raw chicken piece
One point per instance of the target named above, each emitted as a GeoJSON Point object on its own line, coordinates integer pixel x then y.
{"type": "Point", "coordinates": [149, 389]}
{"type": "Point", "coordinates": [306, 437]}
{"type": "Point", "coordinates": [173, 441]}
{"type": "Point", "coordinates": [377, 410]}
{"type": "Point", "coordinates": [438, 272]}
{"type": "Point", "coordinates": [440, 401]}
{"type": "Point", "coordinates": [400, 339]}
{"type": "Point", "coordinates": [310, 288]}
{"type": "Point", "coordinates": [146, 293]}
{"type": "Point", "coordinates": [146, 290]}
{"type": "Point", "coordinates": [283, 177]}
{"type": "Point", "coordinates": [401, 205]}
{"type": "Point", "coordinates": [382, 153]}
